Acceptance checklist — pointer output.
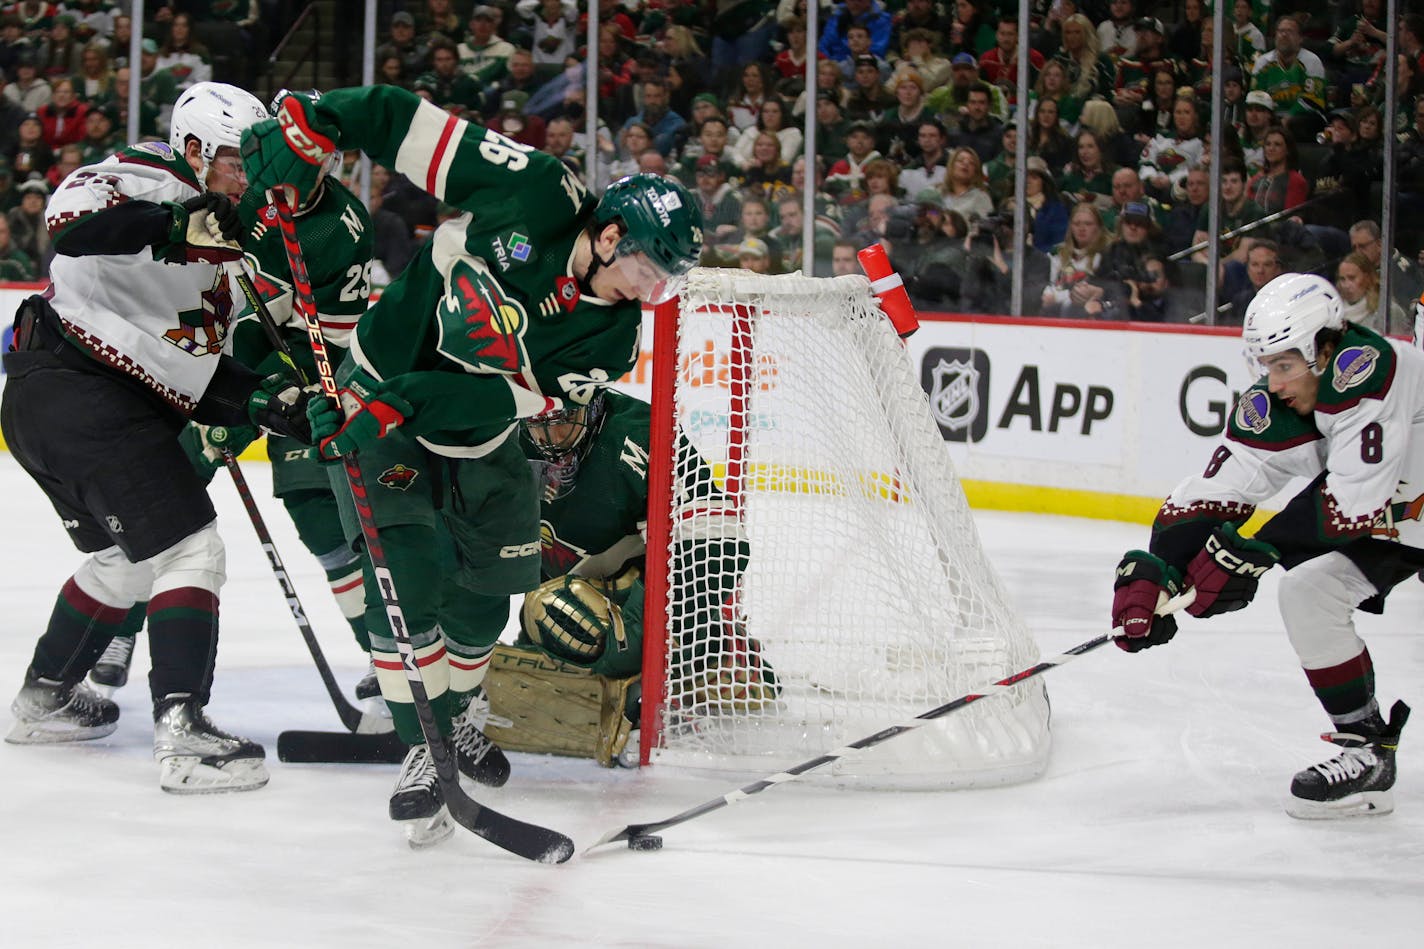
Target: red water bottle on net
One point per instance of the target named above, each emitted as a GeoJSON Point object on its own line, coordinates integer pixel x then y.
{"type": "Point", "coordinates": [889, 289]}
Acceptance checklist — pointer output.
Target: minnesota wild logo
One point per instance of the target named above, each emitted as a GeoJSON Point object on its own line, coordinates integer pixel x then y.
{"type": "Point", "coordinates": [399, 477]}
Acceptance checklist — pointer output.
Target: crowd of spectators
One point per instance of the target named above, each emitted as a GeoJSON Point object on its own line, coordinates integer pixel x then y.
{"type": "Point", "coordinates": [917, 116]}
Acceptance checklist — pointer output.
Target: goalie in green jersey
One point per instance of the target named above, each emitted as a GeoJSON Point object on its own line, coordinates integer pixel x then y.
{"type": "Point", "coordinates": [529, 301]}
{"type": "Point", "coordinates": [570, 685]}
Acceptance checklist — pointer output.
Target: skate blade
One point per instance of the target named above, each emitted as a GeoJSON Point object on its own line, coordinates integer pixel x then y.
{"type": "Point", "coordinates": [1364, 804]}
{"type": "Point", "coordinates": [55, 733]}
{"type": "Point", "coordinates": [427, 832]}
{"type": "Point", "coordinates": [190, 774]}
{"type": "Point", "coordinates": [104, 689]}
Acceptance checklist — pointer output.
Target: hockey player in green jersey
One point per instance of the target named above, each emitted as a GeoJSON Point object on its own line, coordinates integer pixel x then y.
{"type": "Point", "coordinates": [592, 465]}
{"type": "Point", "coordinates": [528, 301]}
{"type": "Point", "coordinates": [1342, 406]}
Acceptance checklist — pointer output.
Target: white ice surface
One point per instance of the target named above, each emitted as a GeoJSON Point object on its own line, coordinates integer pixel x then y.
{"type": "Point", "coordinates": [1158, 823]}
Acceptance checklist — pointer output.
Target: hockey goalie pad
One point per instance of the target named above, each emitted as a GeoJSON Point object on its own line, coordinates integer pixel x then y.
{"type": "Point", "coordinates": [555, 708]}
{"type": "Point", "coordinates": [572, 620]}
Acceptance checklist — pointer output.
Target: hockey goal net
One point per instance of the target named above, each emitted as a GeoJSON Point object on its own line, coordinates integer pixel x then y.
{"type": "Point", "coordinates": [814, 573]}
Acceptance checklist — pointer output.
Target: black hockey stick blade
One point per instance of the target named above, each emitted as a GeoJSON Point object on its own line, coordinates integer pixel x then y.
{"type": "Point", "coordinates": [530, 841]}
{"type": "Point", "coordinates": [313, 747]}
{"type": "Point", "coordinates": [633, 833]}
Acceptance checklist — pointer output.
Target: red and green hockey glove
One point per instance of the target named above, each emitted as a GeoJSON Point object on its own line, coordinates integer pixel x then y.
{"type": "Point", "coordinates": [372, 412]}
{"type": "Point", "coordinates": [289, 151]}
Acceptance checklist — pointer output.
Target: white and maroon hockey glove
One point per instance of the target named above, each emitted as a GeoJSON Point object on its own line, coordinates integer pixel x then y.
{"type": "Point", "coordinates": [1144, 583]}
{"type": "Point", "coordinates": [1227, 571]}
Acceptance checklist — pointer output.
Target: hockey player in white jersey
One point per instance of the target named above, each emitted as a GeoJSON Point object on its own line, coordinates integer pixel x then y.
{"type": "Point", "coordinates": [106, 368]}
{"type": "Point", "coordinates": [1344, 407]}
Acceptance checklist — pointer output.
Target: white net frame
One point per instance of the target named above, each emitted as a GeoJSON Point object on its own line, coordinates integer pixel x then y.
{"type": "Point", "coordinates": [860, 582]}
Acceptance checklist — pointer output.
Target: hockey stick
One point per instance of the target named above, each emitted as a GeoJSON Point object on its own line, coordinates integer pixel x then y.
{"type": "Point", "coordinates": [351, 716]}
{"type": "Point", "coordinates": [298, 746]}
{"type": "Point", "coordinates": [527, 840]}
{"type": "Point", "coordinates": [643, 836]}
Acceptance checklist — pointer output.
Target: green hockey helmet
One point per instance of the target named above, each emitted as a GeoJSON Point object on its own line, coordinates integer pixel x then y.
{"type": "Point", "coordinates": [662, 232]}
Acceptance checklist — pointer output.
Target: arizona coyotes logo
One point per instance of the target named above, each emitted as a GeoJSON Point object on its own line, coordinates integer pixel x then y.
{"type": "Point", "coordinates": [201, 332]}
{"type": "Point", "coordinates": [399, 477]}
{"type": "Point", "coordinates": [558, 555]}
{"type": "Point", "coordinates": [493, 323]}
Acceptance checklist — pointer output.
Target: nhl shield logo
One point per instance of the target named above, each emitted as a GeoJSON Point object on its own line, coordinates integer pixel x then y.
{"type": "Point", "coordinates": [954, 398]}
{"type": "Point", "coordinates": [957, 381]}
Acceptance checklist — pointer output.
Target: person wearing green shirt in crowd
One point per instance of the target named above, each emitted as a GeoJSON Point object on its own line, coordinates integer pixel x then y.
{"type": "Point", "coordinates": [527, 301]}
{"type": "Point", "coordinates": [445, 85]}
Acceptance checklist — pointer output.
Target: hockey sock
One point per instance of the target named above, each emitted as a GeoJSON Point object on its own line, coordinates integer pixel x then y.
{"type": "Point", "coordinates": [183, 642]}
{"type": "Point", "coordinates": [1346, 690]}
{"type": "Point", "coordinates": [346, 582]}
{"type": "Point", "coordinates": [434, 663]}
{"type": "Point", "coordinates": [79, 629]}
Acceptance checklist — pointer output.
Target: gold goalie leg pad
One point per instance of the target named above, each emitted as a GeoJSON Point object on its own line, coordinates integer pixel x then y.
{"type": "Point", "coordinates": [554, 708]}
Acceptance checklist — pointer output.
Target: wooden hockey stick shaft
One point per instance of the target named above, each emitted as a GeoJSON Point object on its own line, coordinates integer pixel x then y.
{"type": "Point", "coordinates": [527, 840]}
{"type": "Point", "coordinates": [633, 831]}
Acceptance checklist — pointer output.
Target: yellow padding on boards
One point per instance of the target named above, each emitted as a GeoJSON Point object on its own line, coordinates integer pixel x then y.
{"type": "Point", "coordinates": [983, 495]}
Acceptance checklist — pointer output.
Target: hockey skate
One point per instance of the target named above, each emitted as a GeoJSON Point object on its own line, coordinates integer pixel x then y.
{"type": "Point", "coordinates": [477, 757]}
{"type": "Point", "coordinates": [417, 802]}
{"type": "Point", "coordinates": [111, 672]}
{"type": "Point", "coordinates": [47, 712]}
{"type": "Point", "coordinates": [196, 757]}
{"type": "Point", "coordinates": [1356, 782]}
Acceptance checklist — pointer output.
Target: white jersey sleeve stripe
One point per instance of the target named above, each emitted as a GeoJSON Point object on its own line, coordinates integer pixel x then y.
{"type": "Point", "coordinates": [428, 150]}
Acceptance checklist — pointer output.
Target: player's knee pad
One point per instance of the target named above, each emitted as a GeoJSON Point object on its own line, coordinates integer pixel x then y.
{"type": "Point", "coordinates": [112, 579]}
{"type": "Point", "coordinates": [197, 560]}
{"type": "Point", "coordinates": [1317, 602]}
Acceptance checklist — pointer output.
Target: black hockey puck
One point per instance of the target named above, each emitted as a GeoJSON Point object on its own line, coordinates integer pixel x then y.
{"type": "Point", "coordinates": [645, 842]}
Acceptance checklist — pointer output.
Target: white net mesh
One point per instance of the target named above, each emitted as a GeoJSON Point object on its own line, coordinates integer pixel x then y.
{"type": "Point", "coordinates": [825, 576]}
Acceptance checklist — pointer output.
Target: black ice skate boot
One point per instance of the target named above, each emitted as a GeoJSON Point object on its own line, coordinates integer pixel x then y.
{"type": "Point", "coordinates": [1356, 782]}
{"type": "Point", "coordinates": [111, 672]}
{"type": "Point", "coordinates": [48, 711]}
{"type": "Point", "coordinates": [196, 757]}
{"type": "Point", "coordinates": [477, 757]}
{"type": "Point", "coordinates": [417, 801]}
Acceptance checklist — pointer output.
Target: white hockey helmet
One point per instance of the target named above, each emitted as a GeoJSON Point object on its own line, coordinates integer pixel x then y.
{"type": "Point", "coordinates": [215, 113]}
{"type": "Point", "coordinates": [1286, 314]}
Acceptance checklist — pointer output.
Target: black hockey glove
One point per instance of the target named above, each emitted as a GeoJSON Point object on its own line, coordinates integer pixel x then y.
{"type": "Point", "coordinates": [1144, 582]}
{"type": "Point", "coordinates": [280, 405]}
{"type": "Point", "coordinates": [1227, 571]}
{"type": "Point", "coordinates": [205, 230]}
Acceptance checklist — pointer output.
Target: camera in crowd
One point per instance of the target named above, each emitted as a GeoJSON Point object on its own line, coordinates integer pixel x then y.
{"type": "Point", "coordinates": [984, 230]}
